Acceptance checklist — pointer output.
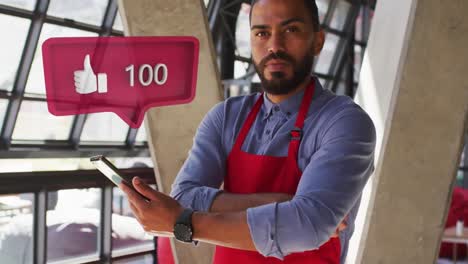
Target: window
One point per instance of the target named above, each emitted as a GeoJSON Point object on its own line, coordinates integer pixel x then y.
{"type": "Point", "coordinates": [73, 222]}
{"type": "Point", "coordinates": [23, 108]}
{"type": "Point", "coordinates": [342, 22]}
{"type": "Point", "coordinates": [12, 46]}
{"type": "Point", "coordinates": [86, 11]}
{"type": "Point", "coordinates": [16, 228]}
{"type": "Point", "coordinates": [67, 216]}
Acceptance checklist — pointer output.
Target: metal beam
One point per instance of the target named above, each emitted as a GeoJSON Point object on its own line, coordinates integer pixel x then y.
{"type": "Point", "coordinates": [329, 15]}
{"type": "Point", "coordinates": [105, 227]}
{"type": "Point", "coordinates": [131, 136]}
{"type": "Point", "coordinates": [40, 227]}
{"type": "Point", "coordinates": [17, 12]}
{"type": "Point", "coordinates": [23, 182]}
{"type": "Point", "coordinates": [45, 151]}
{"type": "Point", "coordinates": [228, 38]}
{"type": "Point", "coordinates": [213, 13]}
{"type": "Point", "coordinates": [109, 18]}
{"type": "Point", "coordinates": [349, 90]}
{"type": "Point", "coordinates": [339, 60]}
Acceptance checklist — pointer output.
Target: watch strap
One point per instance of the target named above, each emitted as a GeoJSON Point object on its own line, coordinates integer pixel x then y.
{"type": "Point", "coordinates": [185, 217]}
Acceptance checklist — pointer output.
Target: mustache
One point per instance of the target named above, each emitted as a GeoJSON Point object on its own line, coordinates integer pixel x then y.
{"type": "Point", "coordinates": [275, 56]}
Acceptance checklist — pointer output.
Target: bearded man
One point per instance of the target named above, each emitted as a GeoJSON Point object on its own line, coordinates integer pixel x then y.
{"type": "Point", "coordinates": [294, 159]}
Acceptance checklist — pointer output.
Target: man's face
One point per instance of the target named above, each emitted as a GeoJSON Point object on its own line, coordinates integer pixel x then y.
{"type": "Point", "coordinates": [284, 44]}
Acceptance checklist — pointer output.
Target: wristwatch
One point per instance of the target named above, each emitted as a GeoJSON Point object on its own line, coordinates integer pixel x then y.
{"type": "Point", "coordinates": [183, 230]}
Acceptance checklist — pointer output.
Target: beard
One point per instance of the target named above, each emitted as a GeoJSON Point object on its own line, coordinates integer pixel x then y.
{"type": "Point", "coordinates": [279, 84]}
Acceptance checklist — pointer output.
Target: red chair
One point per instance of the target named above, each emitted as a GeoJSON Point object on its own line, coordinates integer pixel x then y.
{"type": "Point", "coordinates": [458, 211]}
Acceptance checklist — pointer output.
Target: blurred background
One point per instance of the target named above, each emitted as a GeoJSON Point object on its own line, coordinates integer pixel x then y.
{"type": "Point", "coordinates": [53, 202]}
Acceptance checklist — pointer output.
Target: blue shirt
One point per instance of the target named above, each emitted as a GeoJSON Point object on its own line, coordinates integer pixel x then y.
{"type": "Point", "coordinates": [336, 157]}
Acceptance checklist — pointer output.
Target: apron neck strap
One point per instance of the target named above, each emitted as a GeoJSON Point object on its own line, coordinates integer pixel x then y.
{"type": "Point", "coordinates": [296, 133]}
{"type": "Point", "coordinates": [304, 108]}
{"type": "Point", "coordinates": [248, 123]}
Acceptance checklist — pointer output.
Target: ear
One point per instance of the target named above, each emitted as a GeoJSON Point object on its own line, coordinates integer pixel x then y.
{"type": "Point", "coordinates": [319, 40]}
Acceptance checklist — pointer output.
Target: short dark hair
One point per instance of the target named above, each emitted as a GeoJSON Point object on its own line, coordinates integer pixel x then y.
{"type": "Point", "coordinates": [310, 4]}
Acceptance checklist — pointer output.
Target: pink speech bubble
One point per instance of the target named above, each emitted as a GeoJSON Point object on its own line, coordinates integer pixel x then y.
{"type": "Point", "coordinates": [124, 75]}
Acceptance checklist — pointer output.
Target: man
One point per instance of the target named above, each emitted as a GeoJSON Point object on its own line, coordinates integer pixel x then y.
{"type": "Point", "coordinates": [293, 160]}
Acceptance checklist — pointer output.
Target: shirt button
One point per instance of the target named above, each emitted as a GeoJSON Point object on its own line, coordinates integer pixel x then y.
{"type": "Point", "coordinates": [276, 108]}
{"type": "Point", "coordinates": [288, 113]}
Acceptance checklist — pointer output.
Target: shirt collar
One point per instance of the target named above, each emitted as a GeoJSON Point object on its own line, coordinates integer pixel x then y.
{"type": "Point", "coordinates": [291, 105]}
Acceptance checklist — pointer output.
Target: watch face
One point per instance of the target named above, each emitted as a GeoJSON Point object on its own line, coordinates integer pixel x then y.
{"type": "Point", "coordinates": [183, 233]}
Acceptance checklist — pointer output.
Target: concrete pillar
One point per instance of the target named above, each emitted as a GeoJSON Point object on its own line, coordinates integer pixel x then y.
{"type": "Point", "coordinates": [413, 84]}
{"type": "Point", "coordinates": [170, 130]}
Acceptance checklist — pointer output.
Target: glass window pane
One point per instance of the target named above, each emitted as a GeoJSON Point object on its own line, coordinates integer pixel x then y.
{"type": "Point", "coordinates": [326, 56]}
{"type": "Point", "coordinates": [240, 69]}
{"type": "Point", "coordinates": [104, 127]}
{"type": "Point", "coordinates": [118, 22]}
{"type": "Point", "coordinates": [234, 90]}
{"type": "Point", "coordinates": [87, 11]}
{"type": "Point", "coordinates": [358, 27]}
{"type": "Point", "coordinates": [34, 115]}
{"type": "Point", "coordinates": [243, 31]}
{"type": "Point", "coordinates": [73, 218]}
{"type": "Point", "coordinates": [46, 164]}
{"type": "Point", "coordinates": [145, 259]}
{"type": "Point", "coordinates": [36, 83]}
{"type": "Point", "coordinates": [339, 15]}
{"type": "Point", "coordinates": [24, 4]}
{"type": "Point", "coordinates": [256, 78]}
{"type": "Point", "coordinates": [136, 162]}
{"type": "Point", "coordinates": [127, 233]}
{"type": "Point", "coordinates": [141, 134]}
{"type": "Point", "coordinates": [322, 6]}
{"type": "Point", "coordinates": [16, 225]}
{"type": "Point", "coordinates": [13, 31]}
{"type": "Point", "coordinates": [341, 88]}
{"type": "Point", "coordinates": [358, 55]}
{"type": "Point", "coordinates": [322, 81]}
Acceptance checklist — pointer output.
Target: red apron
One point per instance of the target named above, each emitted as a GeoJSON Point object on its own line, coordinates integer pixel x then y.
{"type": "Point", "coordinates": [249, 173]}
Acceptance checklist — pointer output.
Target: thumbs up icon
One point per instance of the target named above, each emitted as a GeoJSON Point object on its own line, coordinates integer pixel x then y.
{"type": "Point", "coordinates": [85, 80]}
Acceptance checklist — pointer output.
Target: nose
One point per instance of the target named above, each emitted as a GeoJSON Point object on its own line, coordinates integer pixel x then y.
{"type": "Point", "coordinates": [276, 43]}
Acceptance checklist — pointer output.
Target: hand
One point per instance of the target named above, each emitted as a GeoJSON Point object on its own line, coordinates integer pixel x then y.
{"type": "Point", "coordinates": [85, 80]}
{"type": "Point", "coordinates": [342, 226]}
{"type": "Point", "coordinates": [158, 215]}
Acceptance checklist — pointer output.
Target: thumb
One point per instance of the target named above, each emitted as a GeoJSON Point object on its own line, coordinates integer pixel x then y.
{"type": "Point", "coordinates": [144, 188]}
{"type": "Point", "coordinates": [87, 63]}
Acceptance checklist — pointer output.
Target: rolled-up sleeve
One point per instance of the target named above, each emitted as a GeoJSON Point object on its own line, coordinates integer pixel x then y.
{"type": "Point", "coordinates": [199, 179]}
{"type": "Point", "coordinates": [330, 185]}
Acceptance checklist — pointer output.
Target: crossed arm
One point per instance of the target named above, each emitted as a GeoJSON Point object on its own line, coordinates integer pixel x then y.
{"type": "Point", "coordinates": [227, 217]}
{"type": "Point", "coordinates": [329, 187]}
{"type": "Point", "coordinates": [231, 203]}
{"type": "Point", "coordinates": [228, 202]}
{"type": "Point", "coordinates": [225, 224]}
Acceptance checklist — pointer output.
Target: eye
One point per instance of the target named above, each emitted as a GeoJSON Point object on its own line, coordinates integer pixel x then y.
{"type": "Point", "coordinates": [261, 34]}
{"type": "Point", "coordinates": [292, 29]}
